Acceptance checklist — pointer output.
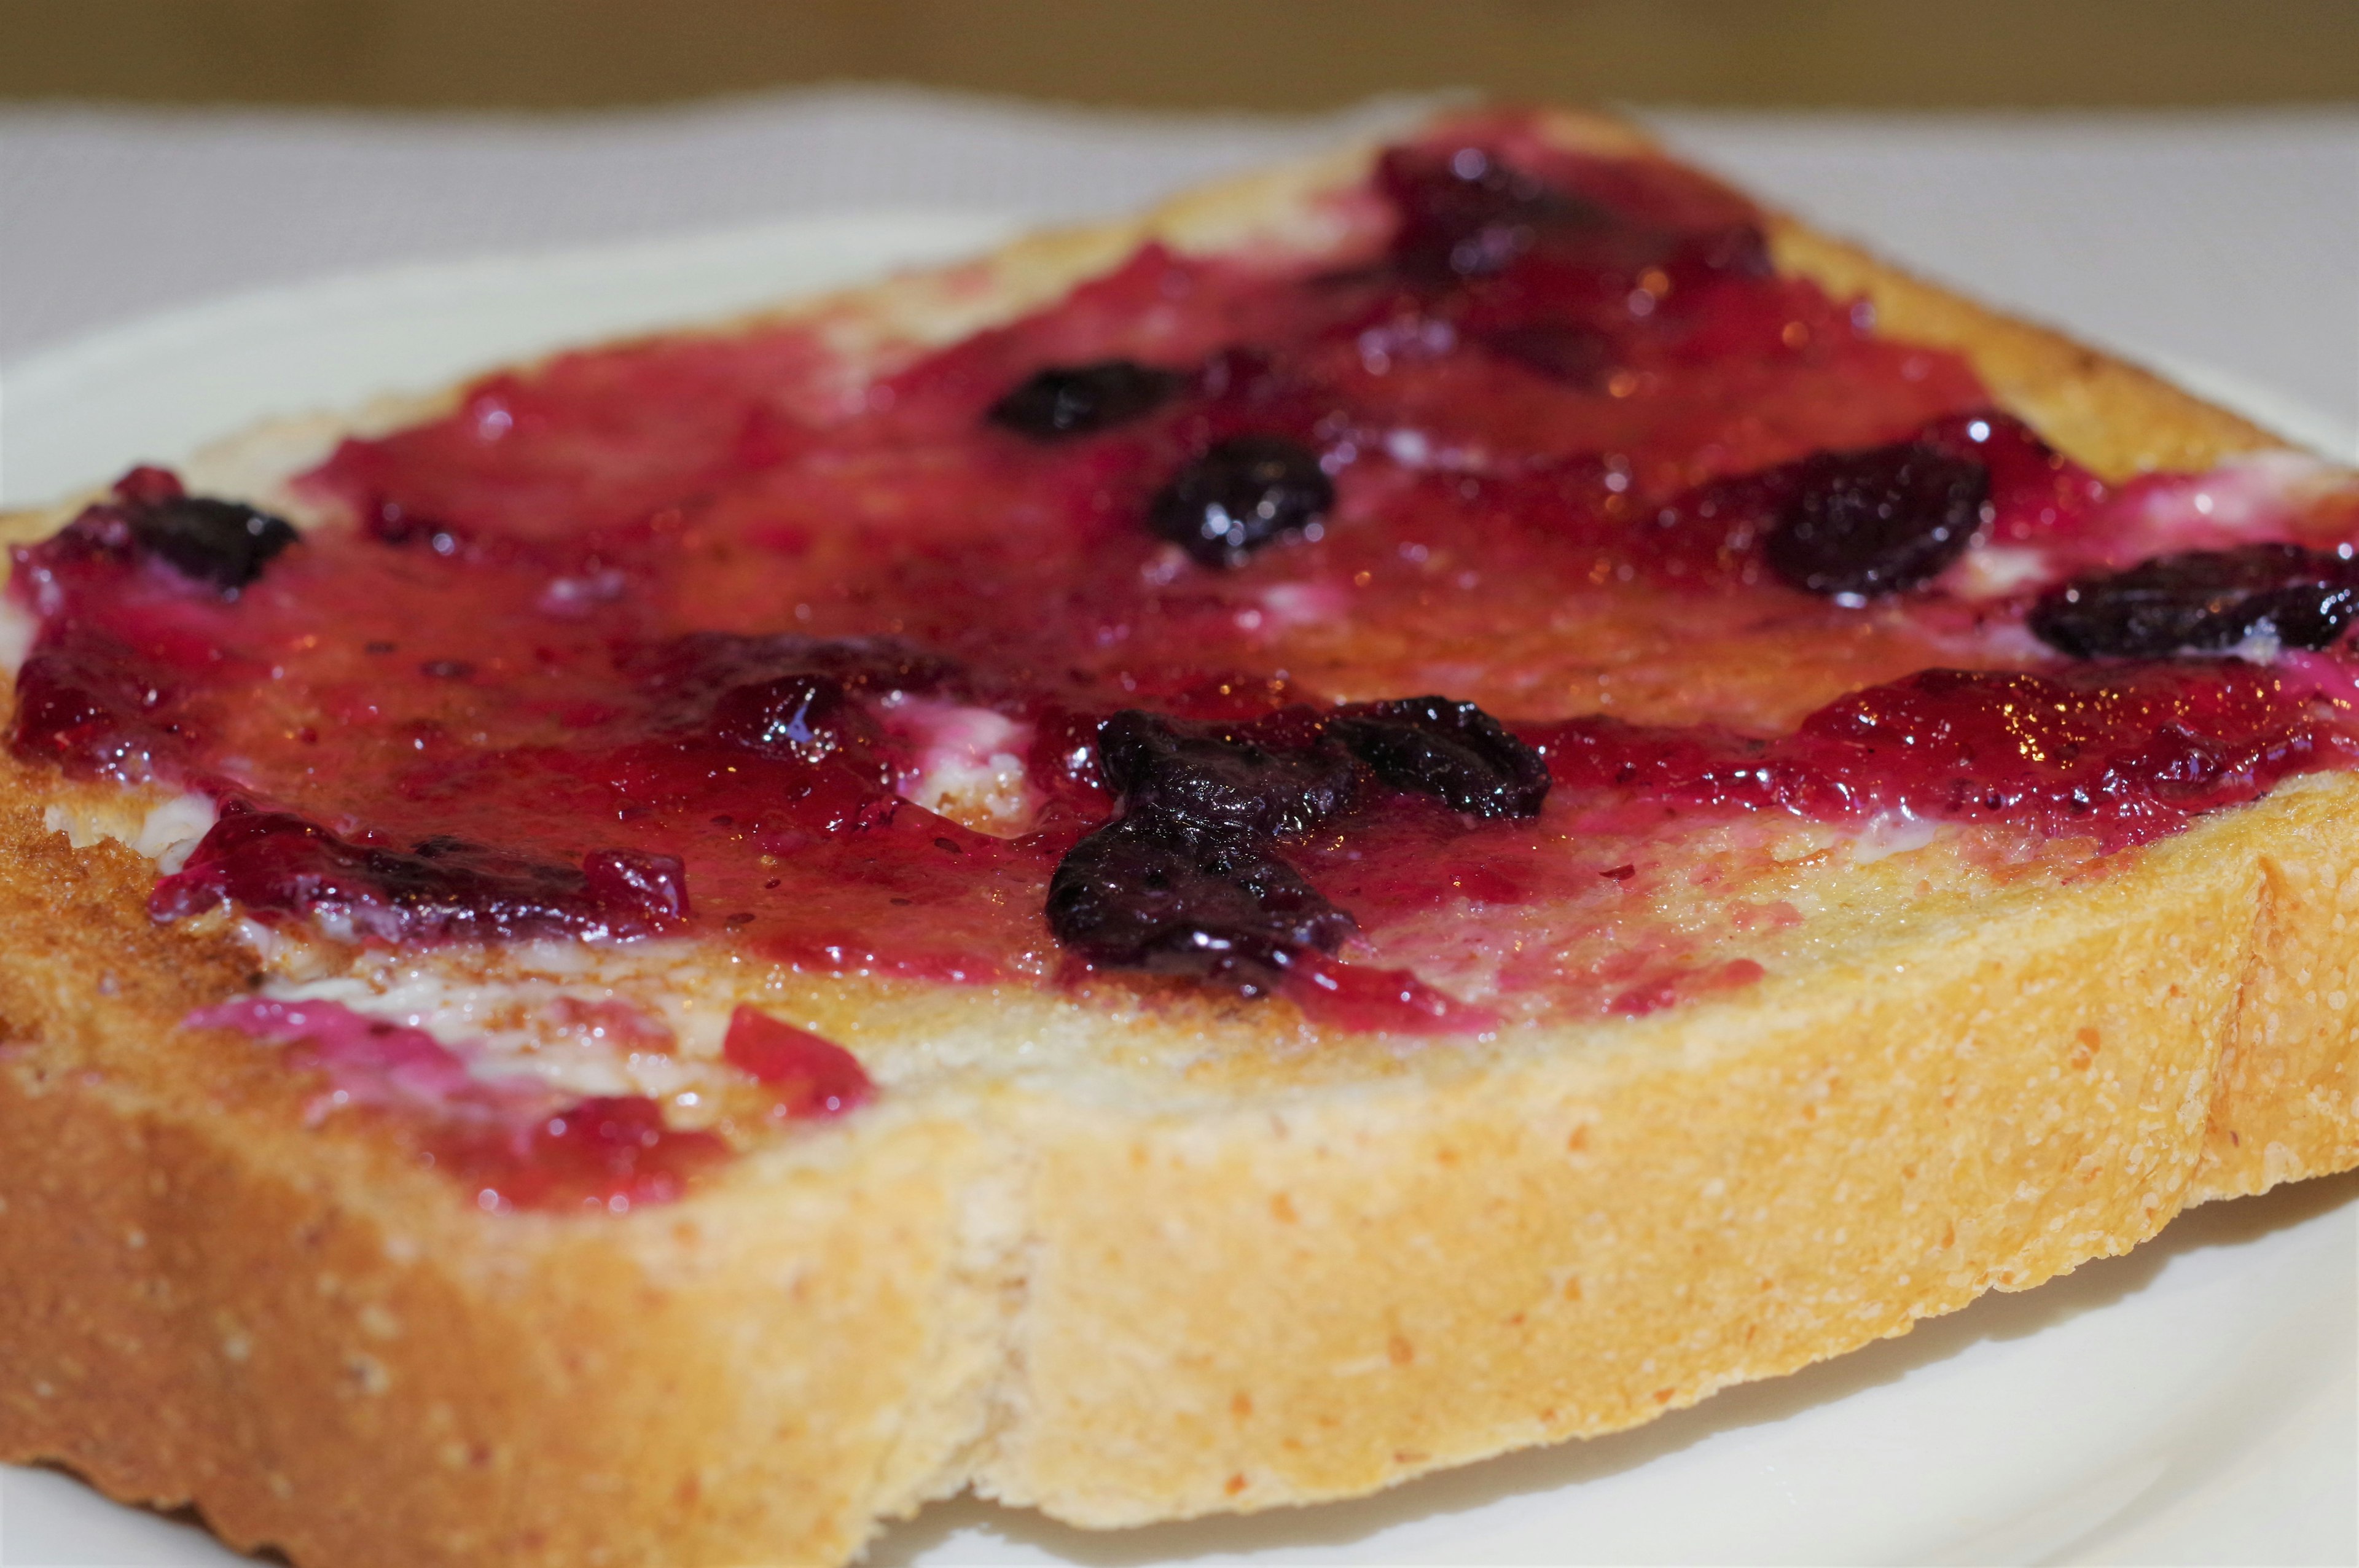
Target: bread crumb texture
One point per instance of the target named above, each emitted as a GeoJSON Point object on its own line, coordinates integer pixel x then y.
{"type": "Point", "coordinates": [1123, 1307]}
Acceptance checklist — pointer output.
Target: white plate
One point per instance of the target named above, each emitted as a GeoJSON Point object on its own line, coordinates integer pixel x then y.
{"type": "Point", "coordinates": [2196, 1401]}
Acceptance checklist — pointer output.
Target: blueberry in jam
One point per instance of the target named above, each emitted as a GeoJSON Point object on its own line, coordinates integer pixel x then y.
{"type": "Point", "coordinates": [2202, 600]}
{"type": "Point", "coordinates": [1081, 400]}
{"type": "Point", "coordinates": [1186, 881]}
{"type": "Point", "coordinates": [1220, 779]}
{"type": "Point", "coordinates": [1452, 750]}
{"type": "Point", "coordinates": [223, 545]}
{"type": "Point", "coordinates": [1466, 212]}
{"type": "Point", "coordinates": [1860, 525]}
{"type": "Point", "coordinates": [1150, 892]}
{"type": "Point", "coordinates": [1244, 493]}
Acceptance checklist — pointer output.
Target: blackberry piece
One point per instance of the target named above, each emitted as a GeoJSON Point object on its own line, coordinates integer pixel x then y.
{"type": "Point", "coordinates": [444, 891]}
{"type": "Point", "coordinates": [224, 543]}
{"type": "Point", "coordinates": [1244, 493]}
{"type": "Point", "coordinates": [2202, 600]}
{"type": "Point", "coordinates": [1148, 892]}
{"type": "Point", "coordinates": [1469, 213]}
{"type": "Point", "coordinates": [1217, 780]}
{"type": "Point", "coordinates": [1862, 525]}
{"type": "Point", "coordinates": [1452, 750]}
{"type": "Point", "coordinates": [1064, 400]}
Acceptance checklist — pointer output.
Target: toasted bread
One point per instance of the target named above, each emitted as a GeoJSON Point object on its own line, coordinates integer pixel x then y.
{"type": "Point", "coordinates": [1130, 1257]}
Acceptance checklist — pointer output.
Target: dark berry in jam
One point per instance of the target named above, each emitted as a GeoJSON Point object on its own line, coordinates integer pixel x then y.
{"type": "Point", "coordinates": [1452, 750]}
{"type": "Point", "coordinates": [1223, 779]}
{"type": "Point", "coordinates": [1466, 212]}
{"type": "Point", "coordinates": [704, 667]}
{"type": "Point", "coordinates": [1146, 893]}
{"type": "Point", "coordinates": [1243, 493]}
{"type": "Point", "coordinates": [806, 716]}
{"type": "Point", "coordinates": [1734, 250]}
{"type": "Point", "coordinates": [1081, 400]}
{"type": "Point", "coordinates": [439, 891]}
{"type": "Point", "coordinates": [1858, 524]}
{"type": "Point", "coordinates": [1563, 351]}
{"type": "Point", "coordinates": [2202, 600]}
{"type": "Point", "coordinates": [1188, 882]}
{"type": "Point", "coordinates": [222, 544]}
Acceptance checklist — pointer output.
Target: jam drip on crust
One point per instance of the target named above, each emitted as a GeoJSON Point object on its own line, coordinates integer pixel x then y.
{"type": "Point", "coordinates": [512, 1141]}
{"type": "Point", "coordinates": [1541, 473]}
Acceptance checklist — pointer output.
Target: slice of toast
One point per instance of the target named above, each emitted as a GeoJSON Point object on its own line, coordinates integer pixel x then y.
{"type": "Point", "coordinates": [1130, 1255]}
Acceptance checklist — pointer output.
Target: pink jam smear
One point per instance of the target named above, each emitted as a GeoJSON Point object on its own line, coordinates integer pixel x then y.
{"type": "Point", "coordinates": [511, 695]}
{"type": "Point", "coordinates": [515, 1143]}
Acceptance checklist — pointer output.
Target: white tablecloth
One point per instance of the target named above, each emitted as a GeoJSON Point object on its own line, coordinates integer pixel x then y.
{"type": "Point", "coordinates": [2225, 239]}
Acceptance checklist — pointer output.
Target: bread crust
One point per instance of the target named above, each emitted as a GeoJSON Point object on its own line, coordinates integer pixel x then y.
{"type": "Point", "coordinates": [1118, 1310]}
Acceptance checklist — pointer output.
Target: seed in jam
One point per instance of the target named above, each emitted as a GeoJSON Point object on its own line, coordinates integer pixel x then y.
{"type": "Point", "coordinates": [1452, 750]}
{"type": "Point", "coordinates": [1221, 778]}
{"type": "Point", "coordinates": [1244, 493]}
{"type": "Point", "coordinates": [1081, 400]}
{"type": "Point", "coordinates": [1860, 525]}
{"type": "Point", "coordinates": [1148, 892]}
{"type": "Point", "coordinates": [2202, 600]}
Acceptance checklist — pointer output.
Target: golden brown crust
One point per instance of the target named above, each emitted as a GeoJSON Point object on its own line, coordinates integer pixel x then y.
{"type": "Point", "coordinates": [327, 1350]}
{"type": "Point", "coordinates": [1562, 1247]}
{"type": "Point", "coordinates": [1122, 1312]}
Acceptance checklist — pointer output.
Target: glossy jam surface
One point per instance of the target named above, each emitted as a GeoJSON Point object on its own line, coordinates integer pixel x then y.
{"type": "Point", "coordinates": [681, 636]}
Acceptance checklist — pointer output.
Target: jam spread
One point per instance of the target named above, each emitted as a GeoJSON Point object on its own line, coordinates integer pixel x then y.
{"type": "Point", "coordinates": [510, 1141]}
{"type": "Point", "coordinates": [1311, 609]}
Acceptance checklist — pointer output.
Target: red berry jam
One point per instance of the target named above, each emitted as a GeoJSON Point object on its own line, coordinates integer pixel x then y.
{"type": "Point", "coordinates": [810, 1077]}
{"type": "Point", "coordinates": [1435, 585]}
{"type": "Point", "coordinates": [513, 1142]}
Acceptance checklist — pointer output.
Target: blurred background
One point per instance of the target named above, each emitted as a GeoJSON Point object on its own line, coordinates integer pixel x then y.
{"type": "Point", "coordinates": [1188, 54]}
{"type": "Point", "coordinates": [2176, 180]}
